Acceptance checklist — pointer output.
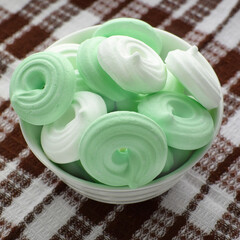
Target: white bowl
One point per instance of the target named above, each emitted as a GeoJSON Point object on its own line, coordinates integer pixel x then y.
{"type": "Point", "coordinates": [119, 195]}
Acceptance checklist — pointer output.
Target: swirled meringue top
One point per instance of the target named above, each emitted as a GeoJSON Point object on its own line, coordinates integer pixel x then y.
{"type": "Point", "coordinates": [60, 140]}
{"type": "Point", "coordinates": [131, 149]}
{"type": "Point", "coordinates": [42, 87]}
{"type": "Point", "coordinates": [186, 123]}
{"type": "Point", "coordinates": [132, 64]}
{"type": "Point", "coordinates": [131, 27]}
{"type": "Point", "coordinates": [93, 74]}
{"type": "Point", "coordinates": [194, 72]}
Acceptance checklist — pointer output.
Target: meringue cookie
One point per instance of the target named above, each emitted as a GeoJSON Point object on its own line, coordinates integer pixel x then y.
{"type": "Point", "coordinates": [68, 50]}
{"type": "Point", "coordinates": [93, 74]}
{"type": "Point", "coordinates": [42, 87]}
{"type": "Point", "coordinates": [193, 70]}
{"type": "Point", "coordinates": [186, 123]}
{"type": "Point", "coordinates": [132, 64]}
{"type": "Point", "coordinates": [133, 28]}
{"type": "Point", "coordinates": [131, 149]}
{"type": "Point", "coordinates": [60, 140]}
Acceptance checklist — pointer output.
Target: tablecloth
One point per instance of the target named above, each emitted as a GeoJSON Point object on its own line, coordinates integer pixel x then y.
{"type": "Point", "coordinates": [204, 204]}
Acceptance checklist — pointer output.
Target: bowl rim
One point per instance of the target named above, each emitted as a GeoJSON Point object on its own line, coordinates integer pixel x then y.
{"type": "Point", "coordinates": [65, 176]}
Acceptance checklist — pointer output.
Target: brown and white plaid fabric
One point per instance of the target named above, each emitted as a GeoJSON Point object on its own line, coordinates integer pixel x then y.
{"type": "Point", "coordinates": [205, 203]}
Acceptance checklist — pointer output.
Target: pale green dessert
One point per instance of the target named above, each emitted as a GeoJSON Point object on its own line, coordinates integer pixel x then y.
{"type": "Point", "coordinates": [42, 87]}
{"type": "Point", "coordinates": [123, 148]}
{"type": "Point", "coordinates": [186, 123]}
{"type": "Point", "coordinates": [133, 28]}
{"type": "Point", "coordinates": [61, 138]}
{"type": "Point", "coordinates": [93, 74]}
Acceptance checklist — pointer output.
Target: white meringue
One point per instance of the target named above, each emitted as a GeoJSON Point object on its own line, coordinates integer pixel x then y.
{"type": "Point", "coordinates": [132, 64]}
{"type": "Point", "coordinates": [194, 72]}
{"type": "Point", "coordinates": [60, 140]}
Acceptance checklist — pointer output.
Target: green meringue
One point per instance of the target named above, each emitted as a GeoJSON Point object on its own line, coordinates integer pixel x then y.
{"type": "Point", "coordinates": [93, 74]}
{"type": "Point", "coordinates": [123, 148]}
{"type": "Point", "coordinates": [131, 27]}
{"type": "Point", "coordinates": [60, 139]}
{"type": "Point", "coordinates": [186, 123]}
{"type": "Point", "coordinates": [42, 87]}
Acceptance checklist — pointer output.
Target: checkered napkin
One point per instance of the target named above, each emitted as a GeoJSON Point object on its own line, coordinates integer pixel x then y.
{"type": "Point", "coordinates": [204, 204]}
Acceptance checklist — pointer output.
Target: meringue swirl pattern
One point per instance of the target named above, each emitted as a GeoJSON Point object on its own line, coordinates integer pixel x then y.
{"type": "Point", "coordinates": [42, 87]}
{"type": "Point", "coordinates": [123, 149]}
{"type": "Point", "coordinates": [186, 123]}
{"type": "Point", "coordinates": [93, 74]}
{"type": "Point", "coordinates": [132, 64]}
{"type": "Point", "coordinates": [131, 27]}
{"type": "Point", "coordinates": [60, 140]}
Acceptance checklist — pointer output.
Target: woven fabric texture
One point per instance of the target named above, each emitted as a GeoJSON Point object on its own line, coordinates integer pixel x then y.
{"type": "Point", "coordinates": [204, 204]}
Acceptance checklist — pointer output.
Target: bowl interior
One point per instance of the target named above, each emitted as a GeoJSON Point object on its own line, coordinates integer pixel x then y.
{"type": "Point", "coordinates": [32, 133]}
